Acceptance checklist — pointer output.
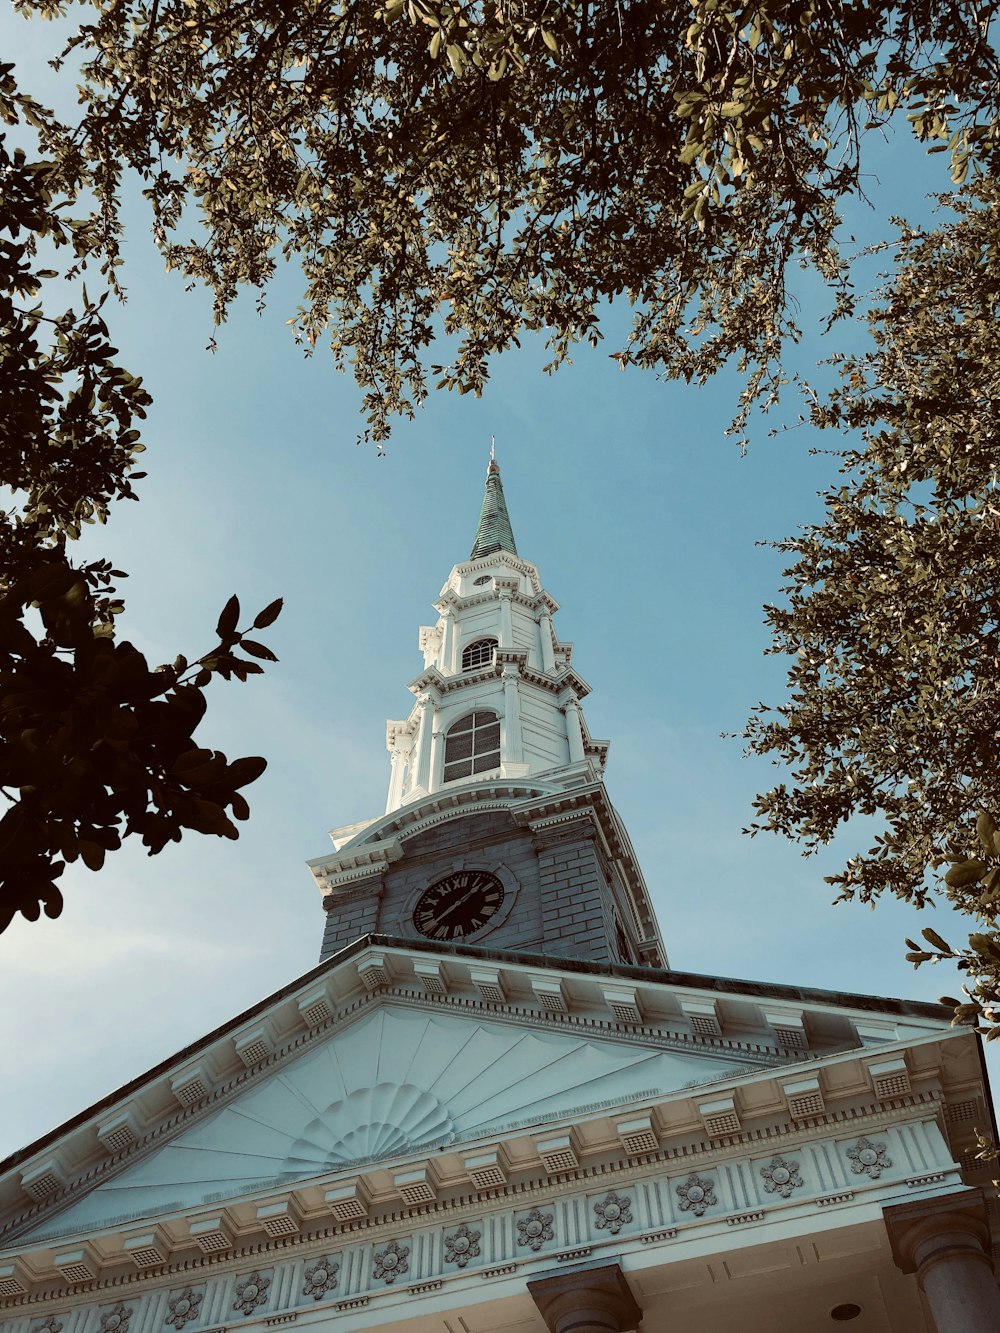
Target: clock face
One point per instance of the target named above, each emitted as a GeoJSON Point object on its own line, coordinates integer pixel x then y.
{"type": "Point", "coordinates": [457, 905]}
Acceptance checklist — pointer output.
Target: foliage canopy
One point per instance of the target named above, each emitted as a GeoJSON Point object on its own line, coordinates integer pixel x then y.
{"type": "Point", "coordinates": [472, 169]}
{"type": "Point", "coordinates": [892, 611]}
{"type": "Point", "coordinates": [94, 744]}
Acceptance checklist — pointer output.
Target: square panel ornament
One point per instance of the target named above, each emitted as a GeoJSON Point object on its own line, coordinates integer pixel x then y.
{"type": "Point", "coordinates": [251, 1292]}
{"type": "Point", "coordinates": [461, 1246]}
{"type": "Point", "coordinates": [535, 1229]}
{"type": "Point", "coordinates": [612, 1212]}
{"type": "Point", "coordinates": [183, 1307]}
{"type": "Point", "coordinates": [320, 1277]}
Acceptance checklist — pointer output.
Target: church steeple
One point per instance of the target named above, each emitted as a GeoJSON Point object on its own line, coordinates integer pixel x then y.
{"type": "Point", "coordinates": [498, 697]}
{"type": "Point", "coordinates": [496, 827]}
{"type": "Point", "coordinates": [494, 532]}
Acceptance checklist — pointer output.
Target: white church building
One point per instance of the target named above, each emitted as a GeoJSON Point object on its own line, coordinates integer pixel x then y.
{"type": "Point", "coordinates": [493, 1107]}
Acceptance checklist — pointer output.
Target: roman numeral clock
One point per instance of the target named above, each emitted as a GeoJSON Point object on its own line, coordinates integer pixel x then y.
{"type": "Point", "coordinates": [458, 904]}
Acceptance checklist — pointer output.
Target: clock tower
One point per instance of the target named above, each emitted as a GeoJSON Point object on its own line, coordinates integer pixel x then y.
{"type": "Point", "coordinates": [497, 830]}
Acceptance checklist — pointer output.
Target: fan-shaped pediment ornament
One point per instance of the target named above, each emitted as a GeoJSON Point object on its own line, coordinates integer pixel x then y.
{"type": "Point", "coordinates": [369, 1125]}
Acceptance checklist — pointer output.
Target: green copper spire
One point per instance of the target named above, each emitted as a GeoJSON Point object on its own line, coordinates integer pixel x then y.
{"type": "Point", "coordinates": [494, 531]}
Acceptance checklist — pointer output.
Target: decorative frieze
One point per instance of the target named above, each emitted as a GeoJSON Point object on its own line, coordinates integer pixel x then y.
{"type": "Point", "coordinates": [459, 1234]}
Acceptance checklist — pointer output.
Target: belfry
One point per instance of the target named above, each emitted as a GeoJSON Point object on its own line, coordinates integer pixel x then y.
{"type": "Point", "coordinates": [492, 1105]}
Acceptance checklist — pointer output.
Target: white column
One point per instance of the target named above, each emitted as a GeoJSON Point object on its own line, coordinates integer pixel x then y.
{"type": "Point", "coordinates": [395, 780]}
{"type": "Point", "coordinates": [574, 732]}
{"type": "Point", "coordinates": [545, 638]}
{"type": "Point", "coordinates": [506, 631]}
{"type": "Point", "coordinates": [447, 662]}
{"type": "Point", "coordinates": [596, 1300]}
{"type": "Point", "coordinates": [436, 748]}
{"type": "Point", "coordinates": [423, 757]}
{"type": "Point", "coordinates": [944, 1241]}
{"type": "Point", "coordinates": [513, 747]}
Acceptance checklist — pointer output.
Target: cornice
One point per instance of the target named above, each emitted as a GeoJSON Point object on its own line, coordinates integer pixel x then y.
{"type": "Point", "coordinates": [566, 682]}
{"type": "Point", "coordinates": [650, 1170]}
{"type": "Point", "coordinates": [762, 1064]}
{"type": "Point", "coordinates": [315, 992]}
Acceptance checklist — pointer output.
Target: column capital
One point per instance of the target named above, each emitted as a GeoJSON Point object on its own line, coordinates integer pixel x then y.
{"type": "Point", "coordinates": [927, 1229]}
{"type": "Point", "coordinates": [590, 1300]}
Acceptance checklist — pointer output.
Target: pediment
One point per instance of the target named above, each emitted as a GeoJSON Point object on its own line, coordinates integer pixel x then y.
{"type": "Point", "coordinates": [394, 1081]}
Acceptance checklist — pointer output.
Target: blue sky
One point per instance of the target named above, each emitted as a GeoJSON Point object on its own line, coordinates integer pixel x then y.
{"type": "Point", "coordinates": [644, 521]}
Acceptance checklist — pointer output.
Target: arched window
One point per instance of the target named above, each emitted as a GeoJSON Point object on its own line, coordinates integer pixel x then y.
{"type": "Point", "coordinates": [472, 746]}
{"type": "Point", "coordinates": [478, 654]}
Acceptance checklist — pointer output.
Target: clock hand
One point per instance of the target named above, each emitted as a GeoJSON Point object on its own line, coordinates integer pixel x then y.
{"type": "Point", "coordinates": [455, 906]}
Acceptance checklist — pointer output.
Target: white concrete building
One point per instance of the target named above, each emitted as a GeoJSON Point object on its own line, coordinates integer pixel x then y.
{"type": "Point", "coordinates": [492, 1106]}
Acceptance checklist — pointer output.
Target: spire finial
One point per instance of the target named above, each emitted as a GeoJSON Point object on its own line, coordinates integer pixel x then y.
{"type": "Point", "coordinates": [494, 530]}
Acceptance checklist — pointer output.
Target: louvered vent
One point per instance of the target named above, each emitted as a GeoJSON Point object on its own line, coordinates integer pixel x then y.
{"type": "Point", "coordinates": [348, 1203]}
{"type": "Point", "coordinates": [374, 971]}
{"type": "Point", "coordinates": [348, 1210]}
{"type": "Point", "coordinates": [558, 1154]}
{"type": "Point", "coordinates": [487, 1170]}
{"type": "Point", "coordinates": [315, 1010]}
{"type": "Point", "coordinates": [957, 1113]}
{"type": "Point", "coordinates": [804, 1098]}
{"type": "Point", "coordinates": [254, 1049]}
{"type": "Point", "coordinates": [705, 1027]}
{"type": "Point", "coordinates": [76, 1266]}
{"type": "Point", "coordinates": [720, 1117]}
{"type": "Point", "coordinates": [212, 1235]}
{"type": "Point", "coordinates": [280, 1219]}
{"type": "Point", "coordinates": [490, 984]}
{"type": "Point", "coordinates": [970, 1160]}
{"type": "Point", "coordinates": [147, 1251]}
{"type": "Point", "coordinates": [623, 1002]}
{"type": "Point", "coordinates": [805, 1104]}
{"type": "Point", "coordinates": [192, 1086]}
{"type": "Point", "coordinates": [638, 1136]}
{"type": "Point", "coordinates": [433, 977]}
{"type": "Point", "coordinates": [788, 1026]}
{"type": "Point", "coordinates": [416, 1187]}
{"type": "Point", "coordinates": [487, 1177]}
{"type": "Point", "coordinates": [550, 994]}
{"type": "Point", "coordinates": [895, 1085]}
{"type": "Point", "coordinates": [12, 1281]}
{"type": "Point", "coordinates": [890, 1078]}
{"type": "Point", "coordinates": [117, 1135]}
{"type": "Point", "coordinates": [42, 1182]}
{"type": "Point", "coordinates": [793, 1038]}
{"type": "Point", "coordinates": [703, 1017]}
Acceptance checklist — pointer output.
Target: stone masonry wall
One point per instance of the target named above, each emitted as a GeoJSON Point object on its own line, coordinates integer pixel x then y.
{"type": "Point", "coordinates": [575, 897]}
